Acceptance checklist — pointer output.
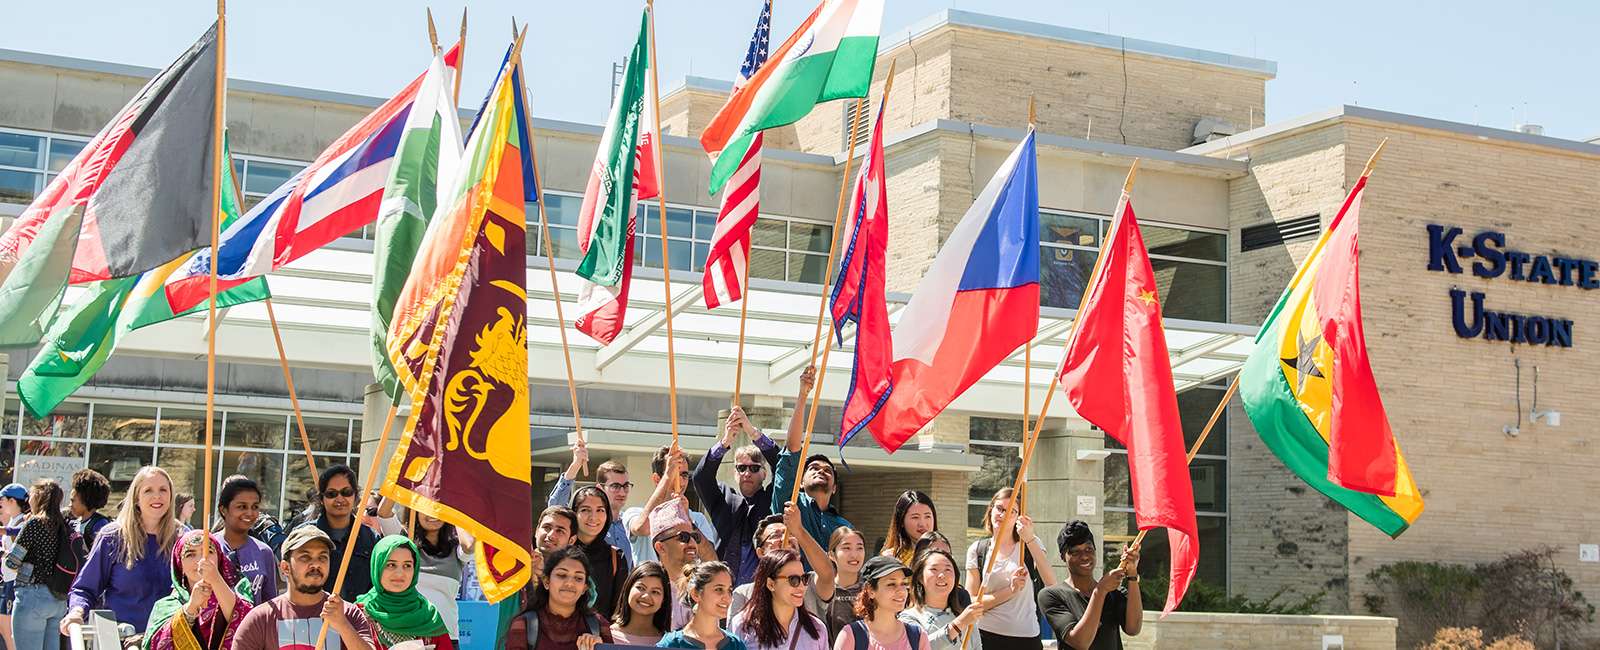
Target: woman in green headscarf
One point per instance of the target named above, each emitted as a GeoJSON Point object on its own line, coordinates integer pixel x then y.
{"type": "Point", "coordinates": [404, 619]}
{"type": "Point", "coordinates": [201, 613]}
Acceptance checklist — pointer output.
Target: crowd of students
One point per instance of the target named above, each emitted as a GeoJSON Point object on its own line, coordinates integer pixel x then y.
{"type": "Point", "coordinates": [750, 573]}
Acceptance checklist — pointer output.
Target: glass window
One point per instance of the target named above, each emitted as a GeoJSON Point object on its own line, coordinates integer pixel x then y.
{"type": "Point", "coordinates": [561, 210]}
{"type": "Point", "coordinates": [1178, 242]}
{"type": "Point", "coordinates": [263, 467]}
{"type": "Point", "coordinates": [186, 427]}
{"type": "Point", "coordinates": [62, 152]}
{"type": "Point", "coordinates": [680, 222]}
{"type": "Point", "coordinates": [810, 237]}
{"type": "Point", "coordinates": [18, 150]}
{"type": "Point", "coordinates": [263, 177]}
{"type": "Point", "coordinates": [700, 253]}
{"type": "Point", "coordinates": [682, 253]}
{"type": "Point", "coordinates": [187, 468]}
{"type": "Point", "coordinates": [124, 423]}
{"type": "Point", "coordinates": [1000, 466]}
{"type": "Point", "coordinates": [705, 224]}
{"type": "Point", "coordinates": [327, 434]}
{"type": "Point", "coordinates": [1068, 229]}
{"type": "Point", "coordinates": [770, 233]}
{"type": "Point", "coordinates": [300, 482]}
{"type": "Point", "coordinates": [766, 264]}
{"type": "Point", "coordinates": [1209, 477]}
{"type": "Point", "coordinates": [8, 435]}
{"type": "Point", "coordinates": [119, 464]}
{"type": "Point", "coordinates": [1191, 290]}
{"type": "Point", "coordinates": [564, 241]}
{"type": "Point", "coordinates": [254, 431]}
{"type": "Point", "coordinates": [19, 187]}
{"type": "Point", "coordinates": [1064, 276]}
{"type": "Point", "coordinates": [1195, 407]}
{"type": "Point", "coordinates": [804, 267]}
{"type": "Point", "coordinates": [1118, 492]}
{"type": "Point", "coordinates": [68, 420]}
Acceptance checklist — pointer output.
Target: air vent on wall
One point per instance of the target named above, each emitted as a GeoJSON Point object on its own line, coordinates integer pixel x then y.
{"type": "Point", "coordinates": [863, 128]}
{"type": "Point", "coordinates": [1279, 232]}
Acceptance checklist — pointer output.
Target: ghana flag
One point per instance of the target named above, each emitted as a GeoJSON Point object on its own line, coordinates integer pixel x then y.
{"type": "Point", "coordinates": [1308, 386]}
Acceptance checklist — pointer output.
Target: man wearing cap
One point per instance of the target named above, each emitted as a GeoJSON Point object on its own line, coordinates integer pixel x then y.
{"type": "Point", "coordinates": [817, 485]}
{"type": "Point", "coordinates": [295, 618]}
{"type": "Point", "coordinates": [1086, 613]}
{"type": "Point", "coordinates": [676, 542]}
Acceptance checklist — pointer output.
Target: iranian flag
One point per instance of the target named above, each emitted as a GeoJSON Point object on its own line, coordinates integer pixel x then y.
{"type": "Point", "coordinates": [830, 57]}
{"type": "Point", "coordinates": [606, 223]}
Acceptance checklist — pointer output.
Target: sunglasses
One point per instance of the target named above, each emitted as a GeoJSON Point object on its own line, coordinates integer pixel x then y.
{"type": "Point", "coordinates": [618, 487]}
{"type": "Point", "coordinates": [347, 492]}
{"type": "Point", "coordinates": [747, 469]}
{"type": "Point", "coordinates": [686, 537]}
{"type": "Point", "coordinates": [797, 580]}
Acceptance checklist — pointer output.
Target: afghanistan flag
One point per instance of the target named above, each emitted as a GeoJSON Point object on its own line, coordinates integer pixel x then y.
{"type": "Point", "coordinates": [79, 342]}
{"type": "Point", "coordinates": [136, 197]}
{"type": "Point", "coordinates": [831, 56]}
{"type": "Point", "coordinates": [425, 161]}
{"type": "Point", "coordinates": [458, 342]}
{"type": "Point", "coordinates": [1308, 386]}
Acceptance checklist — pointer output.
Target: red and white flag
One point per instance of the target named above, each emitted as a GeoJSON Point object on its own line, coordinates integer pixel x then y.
{"type": "Point", "coordinates": [728, 262]}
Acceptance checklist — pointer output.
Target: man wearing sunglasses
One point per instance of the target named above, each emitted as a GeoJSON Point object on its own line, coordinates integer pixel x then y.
{"type": "Point", "coordinates": [612, 477]}
{"type": "Point", "coordinates": [666, 463]}
{"type": "Point", "coordinates": [677, 543]}
{"type": "Point", "coordinates": [736, 511]}
{"type": "Point", "coordinates": [336, 504]}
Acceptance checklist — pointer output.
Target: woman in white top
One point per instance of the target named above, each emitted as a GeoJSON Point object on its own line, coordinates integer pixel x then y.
{"type": "Point", "coordinates": [775, 617]}
{"type": "Point", "coordinates": [446, 554]}
{"type": "Point", "coordinates": [1011, 617]}
{"type": "Point", "coordinates": [933, 607]}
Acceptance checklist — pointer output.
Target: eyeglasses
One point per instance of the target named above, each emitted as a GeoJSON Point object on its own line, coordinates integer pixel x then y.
{"type": "Point", "coordinates": [797, 580]}
{"type": "Point", "coordinates": [686, 537]}
{"type": "Point", "coordinates": [617, 487]}
{"type": "Point", "coordinates": [747, 469]}
{"type": "Point", "coordinates": [347, 493]}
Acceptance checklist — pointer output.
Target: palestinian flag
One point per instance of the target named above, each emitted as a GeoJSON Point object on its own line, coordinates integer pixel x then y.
{"type": "Point", "coordinates": [606, 222]}
{"type": "Point", "coordinates": [136, 197]}
{"type": "Point", "coordinates": [79, 342]}
{"type": "Point", "coordinates": [831, 56]}
{"type": "Point", "coordinates": [1308, 386]}
{"type": "Point", "coordinates": [459, 343]}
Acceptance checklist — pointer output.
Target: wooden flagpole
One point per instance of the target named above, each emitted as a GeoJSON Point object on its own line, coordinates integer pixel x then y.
{"type": "Point", "coordinates": [461, 59]}
{"type": "Point", "coordinates": [825, 338]}
{"type": "Point", "coordinates": [666, 259]}
{"type": "Point", "coordinates": [294, 400]}
{"type": "Point", "coordinates": [216, 234]}
{"type": "Point", "coordinates": [433, 35]}
{"type": "Point", "coordinates": [1027, 374]}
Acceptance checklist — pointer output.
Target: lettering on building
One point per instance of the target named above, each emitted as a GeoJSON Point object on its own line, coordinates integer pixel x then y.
{"type": "Point", "coordinates": [1486, 255]}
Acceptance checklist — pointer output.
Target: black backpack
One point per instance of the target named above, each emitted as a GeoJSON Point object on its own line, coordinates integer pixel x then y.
{"type": "Point", "coordinates": [1027, 561]}
{"type": "Point", "coordinates": [71, 555]}
{"type": "Point", "coordinates": [858, 631]}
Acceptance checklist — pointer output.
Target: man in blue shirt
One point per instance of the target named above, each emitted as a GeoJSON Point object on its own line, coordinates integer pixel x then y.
{"type": "Point", "coordinates": [817, 483]}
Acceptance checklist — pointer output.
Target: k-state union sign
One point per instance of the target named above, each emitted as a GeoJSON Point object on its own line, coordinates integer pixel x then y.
{"type": "Point", "coordinates": [1490, 259]}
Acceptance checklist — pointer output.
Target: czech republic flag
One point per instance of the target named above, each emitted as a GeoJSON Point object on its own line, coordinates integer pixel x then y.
{"type": "Point", "coordinates": [976, 305]}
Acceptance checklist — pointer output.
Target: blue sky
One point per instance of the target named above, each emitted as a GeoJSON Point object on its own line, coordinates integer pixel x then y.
{"type": "Point", "coordinates": [1432, 59]}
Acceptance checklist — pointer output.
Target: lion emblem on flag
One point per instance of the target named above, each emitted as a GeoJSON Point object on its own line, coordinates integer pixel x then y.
{"type": "Point", "coordinates": [498, 374]}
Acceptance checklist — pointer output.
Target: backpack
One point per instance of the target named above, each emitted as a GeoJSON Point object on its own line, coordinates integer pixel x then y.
{"type": "Point", "coordinates": [531, 620]}
{"type": "Point", "coordinates": [859, 634]}
{"type": "Point", "coordinates": [1027, 561]}
{"type": "Point", "coordinates": [268, 531]}
{"type": "Point", "coordinates": [71, 554]}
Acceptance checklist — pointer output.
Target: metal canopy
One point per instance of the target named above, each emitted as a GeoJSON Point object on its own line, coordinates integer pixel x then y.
{"type": "Point", "coordinates": [322, 304]}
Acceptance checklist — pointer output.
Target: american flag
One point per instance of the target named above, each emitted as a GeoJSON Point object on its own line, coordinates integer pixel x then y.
{"type": "Point", "coordinates": [728, 262]}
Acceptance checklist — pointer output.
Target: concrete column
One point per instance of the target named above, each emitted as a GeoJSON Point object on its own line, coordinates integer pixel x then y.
{"type": "Point", "coordinates": [1057, 479]}
{"type": "Point", "coordinates": [374, 407]}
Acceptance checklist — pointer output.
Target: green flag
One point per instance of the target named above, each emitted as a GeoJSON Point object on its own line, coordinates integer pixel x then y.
{"type": "Point", "coordinates": [603, 233]}
{"type": "Point", "coordinates": [85, 334]}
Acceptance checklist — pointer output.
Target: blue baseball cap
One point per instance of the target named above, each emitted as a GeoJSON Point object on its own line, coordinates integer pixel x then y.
{"type": "Point", "coordinates": [15, 491]}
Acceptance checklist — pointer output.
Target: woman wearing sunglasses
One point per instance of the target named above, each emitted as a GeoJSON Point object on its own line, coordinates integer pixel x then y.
{"type": "Point", "coordinates": [775, 617]}
{"type": "Point", "coordinates": [335, 502]}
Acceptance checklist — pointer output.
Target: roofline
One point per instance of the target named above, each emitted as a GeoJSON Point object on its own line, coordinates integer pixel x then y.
{"type": "Point", "coordinates": [1347, 111]}
{"type": "Point", "coordinates": [1223, 165]}
{"type": "Point", "coordinates": [1079, 36]}
{"type": "Point", "coordinates": [688, 82]}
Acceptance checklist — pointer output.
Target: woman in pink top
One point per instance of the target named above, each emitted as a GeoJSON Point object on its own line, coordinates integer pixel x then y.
{"type": "Point", "coordinates": [887, 586]}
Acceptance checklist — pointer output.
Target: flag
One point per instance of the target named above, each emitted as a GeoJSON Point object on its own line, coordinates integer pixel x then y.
{"type": "Point", "coordinates": [429, 152]}
{"type": "Point", "coordinates": [729, 257]}
{"type": "Point", "coordinates": [858, 294]}
{"type": "Point", "coordinates": [977, 303]}
{"type": "Point", "coordinates": [607, 220]}
{"type": "Point", "coordinates": [458, 342]}
{"type": "Point", "coordinates": [1118, 376]}
{"type": "Point", "coordinates": [339, 192]}
{"type": "Point", "coordinates": [831, 56]}
{"type": "Point", "coordinates": [79, 342]}
{"type": "Point", "coordinates": [1308, 386]}
{"type": "Point", "coordinates": [136, 197]}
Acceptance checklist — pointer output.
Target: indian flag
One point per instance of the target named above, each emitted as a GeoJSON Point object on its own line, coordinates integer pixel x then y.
{"type": "Point", "coordinates": [830, 57]}
{"type": "Point", "coordinates": [1309, 390]}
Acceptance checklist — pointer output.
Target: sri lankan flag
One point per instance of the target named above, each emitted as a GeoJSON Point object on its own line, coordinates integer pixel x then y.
{"type": "Point", "coordinates": [458, 341]}
{"type": "Point", "coordinates": [1308, 386]}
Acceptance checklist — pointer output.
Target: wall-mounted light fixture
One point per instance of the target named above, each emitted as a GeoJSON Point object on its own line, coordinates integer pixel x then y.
{"type": "Point", "coordinates": [1093, 454]}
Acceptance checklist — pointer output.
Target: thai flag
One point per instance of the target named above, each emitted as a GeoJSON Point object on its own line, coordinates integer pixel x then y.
{"type": "Point", "coordinates": [338, 193]}
{"type": "Point", "coordinates": [977, 304]}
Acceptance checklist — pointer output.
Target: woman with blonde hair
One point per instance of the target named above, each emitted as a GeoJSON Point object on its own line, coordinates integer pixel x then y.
{"type": "Point", "coordinates": [1010, 614]}
{"type": "Point", "coordinates": [129, 566]}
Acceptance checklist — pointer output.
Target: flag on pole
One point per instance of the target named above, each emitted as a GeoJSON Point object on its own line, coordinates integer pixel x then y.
{"type": "Point", "coordinates": [1309, 390]}
{"type": "Point", "coordinates": [338, 193]}
{"type": "Point", "coordinates": [1117, 375]}
{"type": "Point", "coordinates": [858, 294]}
{"type": "Point", "coordinates": [607, 220]}
{"type": "Point", "coordinates": [978, 302]}
{"type": "Point", "coordinates": [458, 342]}
{"type": "Point", "coordinates": [831, 56]}
{"type": "Point", "coordinates": [426, 160]}
{"type": "Point", "coordinates": [724, 277]}
{"type": "Point", "coordinates": [79, 341]}
{"type": "Point", "coordinates": [136, 197]}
